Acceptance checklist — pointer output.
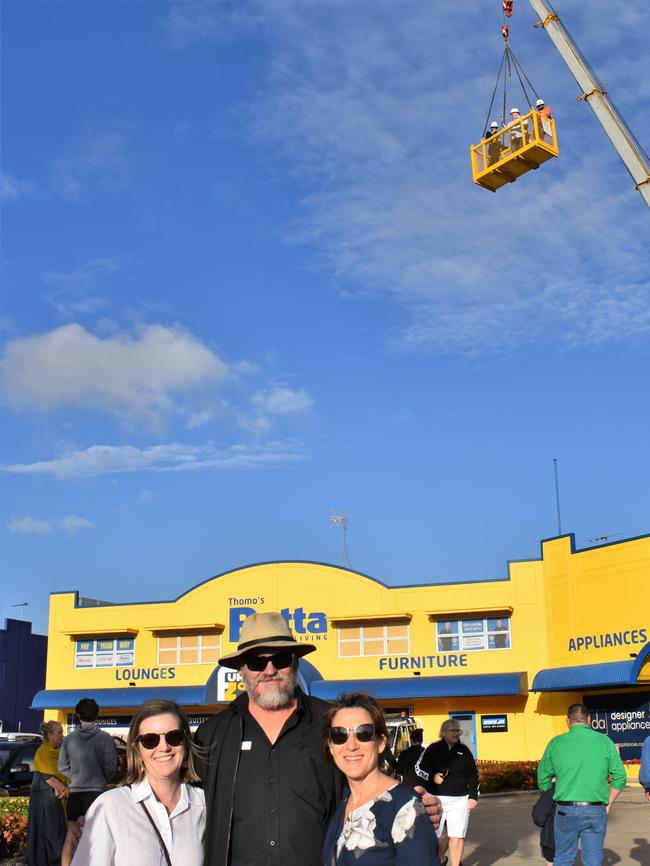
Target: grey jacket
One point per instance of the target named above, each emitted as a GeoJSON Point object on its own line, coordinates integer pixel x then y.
{"type": "Point", "coordinates": [89, 757]}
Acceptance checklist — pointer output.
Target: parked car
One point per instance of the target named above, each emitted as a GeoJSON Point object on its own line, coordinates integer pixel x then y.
{"type": "Point", "coordinates": [17, 752]}
{"type": "Point", "coordinates": [120, 770]}
{"type": "Point", "coordinates": [17, 763]}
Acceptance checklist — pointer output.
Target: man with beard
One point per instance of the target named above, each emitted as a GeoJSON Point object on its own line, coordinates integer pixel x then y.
{"type": "Point", "coordinates": [269, 791]}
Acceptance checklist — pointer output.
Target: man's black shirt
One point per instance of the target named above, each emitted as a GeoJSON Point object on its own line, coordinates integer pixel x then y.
{"type": "Point", "coordinates": [280, 807]}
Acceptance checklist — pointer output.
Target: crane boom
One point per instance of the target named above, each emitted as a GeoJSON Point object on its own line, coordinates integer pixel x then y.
{"type": "Point", "coordinates": [593, 92]}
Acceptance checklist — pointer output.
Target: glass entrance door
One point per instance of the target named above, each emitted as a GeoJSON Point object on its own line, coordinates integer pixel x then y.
{"type": "Point", "coordinates": [467, 723]}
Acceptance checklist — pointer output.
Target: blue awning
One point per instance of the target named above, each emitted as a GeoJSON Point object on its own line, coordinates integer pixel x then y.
{"type": "Point", "coordinates": [461, 686]}
{"type": "Point", "coordinates": [598, 676]}
{"type": "Point", "coordinates": [65, 699]}
{"type": "Point", "coordinates": [132, 696]}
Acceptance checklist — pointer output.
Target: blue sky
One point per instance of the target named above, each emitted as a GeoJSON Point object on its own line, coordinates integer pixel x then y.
{"type": "Point", "coordinates": [248, 280]}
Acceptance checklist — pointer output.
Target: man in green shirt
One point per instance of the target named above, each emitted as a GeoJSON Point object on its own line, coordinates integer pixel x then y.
{"type": "Point", "coordinates": [582, 762]}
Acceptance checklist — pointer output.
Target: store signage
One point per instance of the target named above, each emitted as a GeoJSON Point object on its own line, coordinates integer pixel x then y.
{"type": "Point", "coordinates": [229, 684]}
{"type": "Point", "coordinates": [415, 663]}
{"type": "Point", "coordinates": [120, 724]}
{"type": "Point", "coordinates": [301, 622]}
{"type": "Point", "coordinates": [134, 674]}
{"type": "Point", "coordinates": [493, 723]}
{"type": "Point", "coordinates": [625, 719]}
{"type": "Point", "coordinates": [614, 638]}
{"type": "Point", "coordinates": [105, 653]}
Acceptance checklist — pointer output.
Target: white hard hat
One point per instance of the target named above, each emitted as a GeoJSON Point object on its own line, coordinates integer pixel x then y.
{"type": "Point", "coordinates": [494, 125]}
{"type": "Point", "coordinates": [514, 110]}
{"type": "Point", "coordinates": [539, 102]}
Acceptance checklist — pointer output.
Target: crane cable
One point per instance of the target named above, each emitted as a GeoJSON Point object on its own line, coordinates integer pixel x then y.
{"type": "Point", "coordinates": [508, 62]}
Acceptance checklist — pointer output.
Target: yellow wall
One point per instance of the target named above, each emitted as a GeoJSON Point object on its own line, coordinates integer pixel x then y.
{"type": "Point", "coordinates": [555, 600]}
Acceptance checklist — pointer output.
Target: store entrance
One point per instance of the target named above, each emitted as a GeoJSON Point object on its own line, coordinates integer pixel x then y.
{"type": "Point", "coordinates": [467, 723]}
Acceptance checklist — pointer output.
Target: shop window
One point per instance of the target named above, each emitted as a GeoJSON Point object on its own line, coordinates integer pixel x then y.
{"type": "Point", "coordinates": [111, 652]}
{"type": "Point", "coordinates": [466, 635]}
{"type": "Point", "coordinates": [189, 649]}
{"type": "Point", "coordinates": [373, 639]}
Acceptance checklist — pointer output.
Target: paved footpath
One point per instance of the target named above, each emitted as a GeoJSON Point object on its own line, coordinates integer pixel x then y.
{"type": "Point", "coordinates": [501, 832]}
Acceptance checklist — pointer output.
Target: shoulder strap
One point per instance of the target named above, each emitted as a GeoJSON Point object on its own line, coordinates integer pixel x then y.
{"type": "Point", "coordinates": [168, 859]}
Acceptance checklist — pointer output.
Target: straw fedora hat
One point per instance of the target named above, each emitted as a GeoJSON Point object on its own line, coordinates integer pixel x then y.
{"type": "Point", "coordinates": [264, 631]}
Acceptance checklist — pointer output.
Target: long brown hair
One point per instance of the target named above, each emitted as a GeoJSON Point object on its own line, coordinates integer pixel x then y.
{"type": "Point", "coordinates": [134, 764]}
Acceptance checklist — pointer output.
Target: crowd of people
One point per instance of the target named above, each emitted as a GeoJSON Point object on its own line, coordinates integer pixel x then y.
{"type": "Point", "coordinates": [281, 778]}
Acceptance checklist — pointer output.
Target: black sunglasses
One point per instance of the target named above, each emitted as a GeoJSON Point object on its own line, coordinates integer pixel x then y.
{"type": "Point", "coordinates": [279, 660]}
{"type": "Point", "coordinates": [363, 733]}
{"type": "Point", "coordinates": [150, 741]}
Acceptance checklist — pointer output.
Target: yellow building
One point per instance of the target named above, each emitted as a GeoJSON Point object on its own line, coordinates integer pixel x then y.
{"type": "Point", "coordinates": [506, 656]}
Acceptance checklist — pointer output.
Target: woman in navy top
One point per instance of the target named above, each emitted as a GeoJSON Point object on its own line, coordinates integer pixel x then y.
{"type": "Point", "coordinates": [382, 822]}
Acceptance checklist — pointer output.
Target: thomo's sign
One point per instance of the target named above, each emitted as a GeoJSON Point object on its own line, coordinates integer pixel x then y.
{"type": "Point", "coordinates": [309, 625]}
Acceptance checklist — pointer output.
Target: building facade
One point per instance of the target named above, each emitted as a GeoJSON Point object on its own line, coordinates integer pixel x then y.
{"type": "Point", "coordinates": [22, 672]}
{"type": "Point", "coordinates": [504, 656]}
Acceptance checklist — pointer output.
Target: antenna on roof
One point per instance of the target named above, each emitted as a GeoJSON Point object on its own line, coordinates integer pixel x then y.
{"type": "Point", "coordinates": [22, 605]}
{"type": "Point", "coordinates": [339, 519]}
{"type": "Point", "coordinates": [603, 539]}
{"type": "Point", "coordinates": [557, 498]}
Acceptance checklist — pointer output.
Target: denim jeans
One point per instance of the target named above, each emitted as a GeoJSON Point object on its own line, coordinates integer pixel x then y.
{"type": "Point", "coordinates": [585, 823]}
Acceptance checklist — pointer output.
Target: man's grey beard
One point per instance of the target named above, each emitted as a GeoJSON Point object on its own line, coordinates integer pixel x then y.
{"type": "Point", "coordinates": [278, 694]}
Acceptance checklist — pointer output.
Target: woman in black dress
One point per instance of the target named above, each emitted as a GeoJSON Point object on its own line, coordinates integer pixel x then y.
{"type": "Point", "coordinates": [47, 825]}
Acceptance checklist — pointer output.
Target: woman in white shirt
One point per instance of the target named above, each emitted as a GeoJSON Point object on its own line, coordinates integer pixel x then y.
{"type": "Point", "coordinates": [155, 818]}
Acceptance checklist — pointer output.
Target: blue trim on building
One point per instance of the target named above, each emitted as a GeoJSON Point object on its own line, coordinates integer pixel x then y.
{"type": "Point", "coordinates": [461, 686]}
{"type": "Point", "coordinates": [574, 549]}
{"type": "Point", "coordinates": [598, 676]}
{"type": "Point", "coordinates": [283, 562]}
{"type": "Point", "coordinates": [506, 579]}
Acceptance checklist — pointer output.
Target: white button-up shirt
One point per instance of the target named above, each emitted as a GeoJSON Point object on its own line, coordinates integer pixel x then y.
{"type": "Point", "coordinates": [118, 833]}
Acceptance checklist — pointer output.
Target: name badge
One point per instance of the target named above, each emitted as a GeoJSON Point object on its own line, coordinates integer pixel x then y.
{"type": "Point", "coordinates": [246, 746]}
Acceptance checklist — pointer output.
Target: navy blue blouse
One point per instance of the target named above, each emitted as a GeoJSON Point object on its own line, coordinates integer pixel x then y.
{"type": "Point", "coordinates": [393, 830]}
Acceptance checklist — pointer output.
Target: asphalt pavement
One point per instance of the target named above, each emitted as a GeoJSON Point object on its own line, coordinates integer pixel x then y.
{"type": "Point", "coordinates": [501, 831]}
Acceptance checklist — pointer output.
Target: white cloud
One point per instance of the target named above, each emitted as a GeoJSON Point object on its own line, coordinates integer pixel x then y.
{"type": "Point", "coordinates": [375, 105]}
{"type": "Point", "coordinates": [14, 189]}
{"type": "Point", "coordinates": [72, 523]}
{"type": "Point", "coordinates": [30, 526]}
{"type": "Point", "coordinates": [271, 403]}
{"type": "Point", "coordinates": [281, 400]}
{"type": "Point", "coordinates": [75, 291]}
{"type": "Point", "coordinates": [173, 457]}
{"type": "Point", "coordinates": [186, 23]}
{"type": "Point", "coordinates": [88, 273]}
{"type": "Point", "coordinates": [137, 378]}
{"type": "Point", "coordinates": [146, 495]}
{"type": "Point", "coordinates": [98, 159]}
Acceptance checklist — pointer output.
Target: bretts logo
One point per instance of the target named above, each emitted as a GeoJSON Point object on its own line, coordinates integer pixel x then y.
{"type": "Point", "coordinates": [300, 622]}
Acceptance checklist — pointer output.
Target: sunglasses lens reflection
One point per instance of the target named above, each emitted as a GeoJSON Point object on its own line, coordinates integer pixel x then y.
{"type": "Point", "coordinates": [151, 741]}
{"type": "Point", "coordinates": [279, 660]}
{"type": "Point", "coordinates": [363, 733]}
